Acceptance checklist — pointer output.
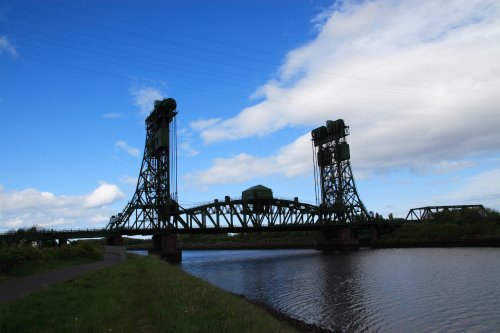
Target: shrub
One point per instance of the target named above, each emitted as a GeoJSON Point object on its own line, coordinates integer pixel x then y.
{"type": "Point", "coordinates": [12, 256]}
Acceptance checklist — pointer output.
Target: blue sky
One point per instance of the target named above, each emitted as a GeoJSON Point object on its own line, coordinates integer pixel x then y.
{"type": "Point", "coordinates": [417, 82]}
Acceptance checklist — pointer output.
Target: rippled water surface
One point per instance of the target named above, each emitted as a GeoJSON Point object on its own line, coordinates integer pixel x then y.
{"type": "Point", "coordinates": [389, 290]}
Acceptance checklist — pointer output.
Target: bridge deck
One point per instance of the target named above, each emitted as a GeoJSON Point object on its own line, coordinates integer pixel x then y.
{"type": "Point", "coordinates": [42, 235]}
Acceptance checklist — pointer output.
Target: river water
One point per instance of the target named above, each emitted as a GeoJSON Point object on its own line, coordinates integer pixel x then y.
{"type": "Point", "coordinates": [386, 290]}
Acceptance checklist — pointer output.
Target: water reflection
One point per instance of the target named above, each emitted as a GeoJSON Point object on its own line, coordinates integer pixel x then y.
{"type": "Point", "coordinates": [374, 290]}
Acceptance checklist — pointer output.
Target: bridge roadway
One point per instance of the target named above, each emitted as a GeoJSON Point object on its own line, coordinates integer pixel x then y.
{"type": "Point", "coordinates": [228, 216]}
{"type": "Point", "coordinates": [50, 234]}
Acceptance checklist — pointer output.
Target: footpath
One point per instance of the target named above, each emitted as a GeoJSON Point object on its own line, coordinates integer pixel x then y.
{"type": "Point", "coordinates": [19, 287]}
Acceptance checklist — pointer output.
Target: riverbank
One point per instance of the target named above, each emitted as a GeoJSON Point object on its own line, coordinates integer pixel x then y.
{"type": "Point", "coordinates": [142, 294]}
{"type": "Point", "coordinates": [481, 242]}
{"type": "Point", "coordinates": [299, 324]}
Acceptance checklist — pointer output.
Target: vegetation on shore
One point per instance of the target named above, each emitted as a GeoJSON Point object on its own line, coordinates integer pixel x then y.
{"type": "Point", "coordinates": [451, 225]}
{"type": "Point", "coordinates": [26, 259]}
{"type": "Point", "coordinates": [252, 240]}
{"type": "Point", "coordinates": [143, 294]}
{"type": "Point", "coordinates": [287, 239]}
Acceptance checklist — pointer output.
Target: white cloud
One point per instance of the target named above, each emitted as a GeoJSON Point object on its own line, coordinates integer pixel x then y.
{"type": "Point", "coordinates": [188, 150]}
{"type": "Point", "coordinates": [144, 98]}
{"type": "Point", "coordinates": [417, 81]}
{"type": "Point", "coordinates": [202, 124]}
{"type": "Point", "coordinates": [483, 188]}
{"type": "Point", "coordinates": [132, 151]}
{"type": "Point", "coordinates": [13, 223]}
{"type": "Point", "coordinates": [114, 115]}
{"type": "Point", "coordinates": [29, 207]}
{"type": "Point", "coordinates": [105, 194]}
{"type": "Point", "coordinates": [449, 166]}
{"type": "Point", "coordinates": [6, 47]}
{"type": "Point", "coordinates": [129, 180]}
{"type": "Point", "coordinates": [291, 160]}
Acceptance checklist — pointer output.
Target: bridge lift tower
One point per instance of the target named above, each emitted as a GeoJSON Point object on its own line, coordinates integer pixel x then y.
{"type": "Point", "coordinates": [154, 203]}
{"type": "Point", "coordinates": [340, 202]}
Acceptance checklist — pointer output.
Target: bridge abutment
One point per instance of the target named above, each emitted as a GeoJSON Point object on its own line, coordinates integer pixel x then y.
{"type": "Point", "coordinates": [114, 241]}
{"type": "Point", "coordinates": [165, 245]}
{"type": "Point", "coordinates": [342, 238]}
{"type": "Point", "coordinates": [374, 234]}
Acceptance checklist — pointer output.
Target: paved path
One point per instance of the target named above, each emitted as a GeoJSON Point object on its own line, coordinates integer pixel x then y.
{"type": "Point", "coordinates": [20, 287]}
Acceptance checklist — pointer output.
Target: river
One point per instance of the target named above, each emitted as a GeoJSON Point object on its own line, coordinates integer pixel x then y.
{"type": "Point", "coordinates": [385, 290]}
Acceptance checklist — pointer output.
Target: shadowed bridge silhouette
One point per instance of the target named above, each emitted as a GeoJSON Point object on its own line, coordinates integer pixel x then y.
{"type": "Point", "coordinates": [154, 210]}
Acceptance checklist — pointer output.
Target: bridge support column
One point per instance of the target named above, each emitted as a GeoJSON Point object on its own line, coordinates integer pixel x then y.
{"type": "Point", "coordinates": [165, 245]}
{"type": "Point", "coordinates": [374, 234]}
{"type": "Point", "coordinates": [341, 238]}
{"type": "Point", "coordinates": [62, 242]}
{"type": "Point", "coordinates": [348, 238]}
{"type": "Point", "coordinates": [115, 240]}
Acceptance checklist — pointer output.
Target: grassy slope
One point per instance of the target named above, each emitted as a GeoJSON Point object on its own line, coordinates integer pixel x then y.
{"type": "Point", "coordinates": [16, 261]}
{"type": "Point", "coordinates": [141, 295]}
{"type": "Point", "coordinates": [30, 268]}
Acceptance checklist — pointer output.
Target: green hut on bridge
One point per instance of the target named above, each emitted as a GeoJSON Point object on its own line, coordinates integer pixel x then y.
{"type": "Point", "coordinates": [257, 192]}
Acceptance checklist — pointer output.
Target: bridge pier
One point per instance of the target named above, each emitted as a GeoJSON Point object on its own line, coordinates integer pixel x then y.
{"type": "Point", "coordinates": [340, 238]}
{"type": "Point", "coordinates": [165, 245]}
{"type": "Point", "coordinates": [62, 242]}
{"type": "Point", "coordinates": [374, 234]}
{"type": "Point", "coordinates": [114, 240]}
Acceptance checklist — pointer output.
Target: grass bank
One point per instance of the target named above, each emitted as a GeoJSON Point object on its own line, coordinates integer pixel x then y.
{"type": "Point", "coordinates": [142, 294]}
{"type": "Point", "coordinates": [23, 260]}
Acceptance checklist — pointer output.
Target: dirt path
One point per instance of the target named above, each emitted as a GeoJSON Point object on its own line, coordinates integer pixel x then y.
{"type": "Point", "coordinates": [20, 287]}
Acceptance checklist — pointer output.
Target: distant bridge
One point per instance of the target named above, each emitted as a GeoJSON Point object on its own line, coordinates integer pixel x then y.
{"type": "Point", "coordinates": [427, 212]}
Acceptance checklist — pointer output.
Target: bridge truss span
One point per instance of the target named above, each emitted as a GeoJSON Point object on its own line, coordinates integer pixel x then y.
{"type": "Point", "coordinates": [247, 214]}
{"type": "Point", "coordinates": [235, 215]}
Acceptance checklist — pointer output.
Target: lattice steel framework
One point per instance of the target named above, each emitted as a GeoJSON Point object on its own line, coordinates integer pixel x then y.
{"type": "Point", "coordinates": [340, 202]}
{"type": "Point", "coordinates": [154, 203]}
{"type": "Point", "coordinates": [427, 213]}
{"type": "Point", "coordinates": [254, 213]}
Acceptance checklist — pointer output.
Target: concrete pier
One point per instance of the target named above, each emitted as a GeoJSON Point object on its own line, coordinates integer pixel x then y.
{"type": "Point", "coordinates": [114, 241]}
{"type": "Point", "coordinates": [165, 245]}
{"type": "Point", "coordinates": [338, 239]}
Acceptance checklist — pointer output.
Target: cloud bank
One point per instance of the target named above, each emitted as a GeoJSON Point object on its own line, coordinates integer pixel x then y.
{"type": "Point", "coordinates": [242, 167]}
{"type": "Point", "coordinates": [417, 81]}
{"type": "Point", "coordinates": [479, 189]}
{"type": "Point", "coordinates": [29, 207]}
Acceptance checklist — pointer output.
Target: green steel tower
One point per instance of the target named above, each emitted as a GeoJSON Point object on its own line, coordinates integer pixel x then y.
{"type": "Point", "coordinates": [154, 203]}
{"type": "Point", "coordinates": [340, 202]}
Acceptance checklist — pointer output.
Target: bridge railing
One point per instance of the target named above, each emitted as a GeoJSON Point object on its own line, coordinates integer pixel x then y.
{"type": "Point", "coordinates": [51, 234]}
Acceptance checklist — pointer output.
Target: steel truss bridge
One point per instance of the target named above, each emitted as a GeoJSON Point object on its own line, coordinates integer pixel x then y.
{"type": "Point", "coordinates": [218, 217]}
{"type": "Point", "coordinates": [154, 210]}
{"type": "Point", "coordinates": [234, 214]}
{"type": "Point", "coordinates": [426, 213]}
{"type": "Point", "coordinates": [154, 204]}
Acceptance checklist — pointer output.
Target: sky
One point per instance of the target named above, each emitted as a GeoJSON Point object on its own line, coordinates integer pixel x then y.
{"type": "Point", "coordinates": [417, 81]}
